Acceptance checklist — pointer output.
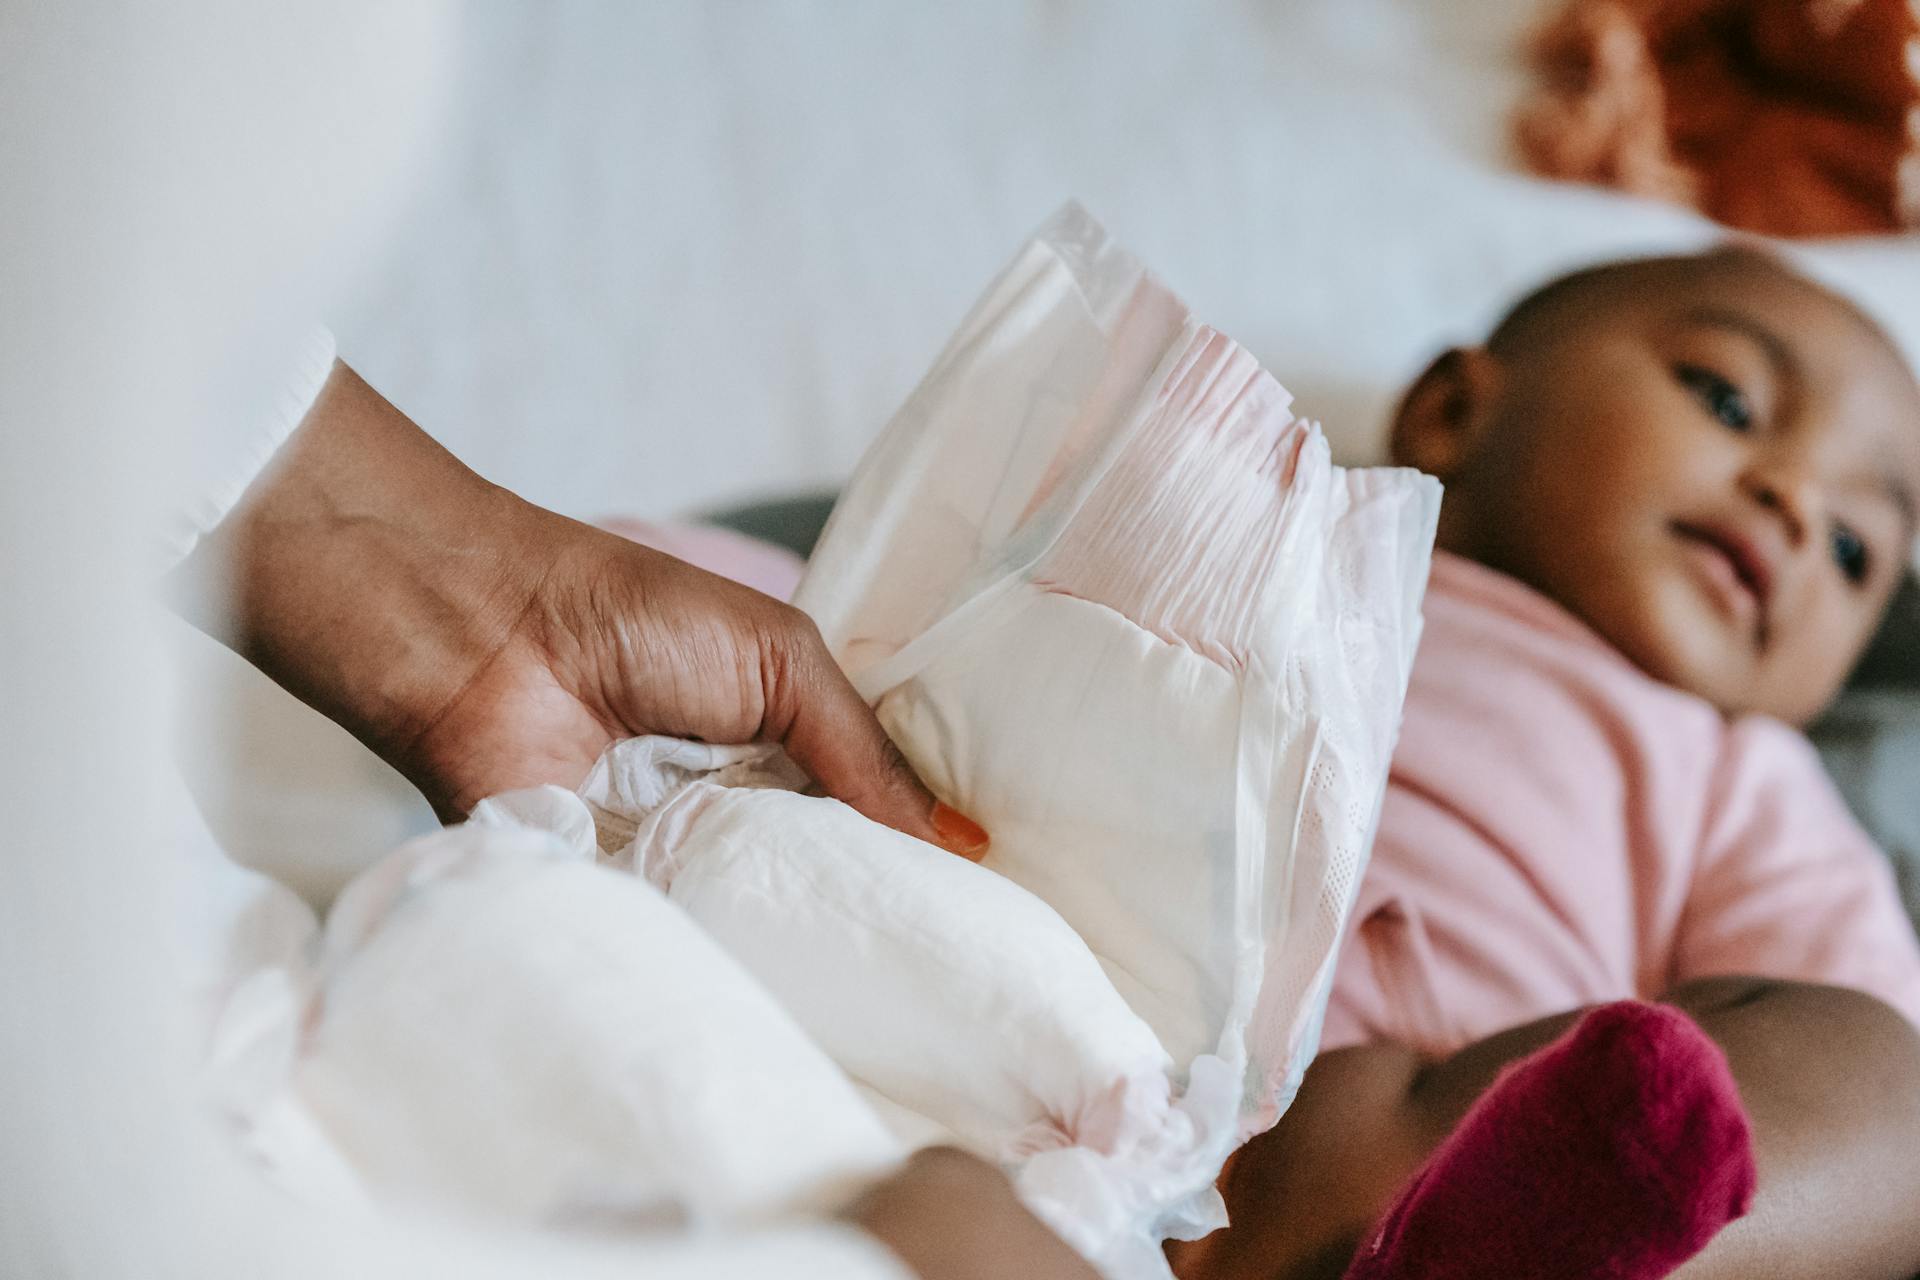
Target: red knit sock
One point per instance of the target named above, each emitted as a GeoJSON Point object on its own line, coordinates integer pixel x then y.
{"type": "Point", "coordinates": [1615, 1153]}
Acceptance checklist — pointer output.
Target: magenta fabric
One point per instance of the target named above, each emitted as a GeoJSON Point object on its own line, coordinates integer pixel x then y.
{"type": "Point", "coordinates": [1617, 1152]}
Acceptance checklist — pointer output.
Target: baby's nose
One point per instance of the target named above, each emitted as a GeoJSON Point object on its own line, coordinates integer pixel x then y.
{"type": "Point", "coordinates": [1788, 488]}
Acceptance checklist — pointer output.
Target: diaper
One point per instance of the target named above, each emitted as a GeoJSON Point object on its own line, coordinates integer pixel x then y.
{"type": "Point", "coordinates": [499, 1027]}
{"type": "Point", "coordinates": [1114, 601]}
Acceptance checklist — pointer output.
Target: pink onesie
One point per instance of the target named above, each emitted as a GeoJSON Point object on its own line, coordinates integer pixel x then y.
{"type": "Point", "coordinates": [1561, 830]}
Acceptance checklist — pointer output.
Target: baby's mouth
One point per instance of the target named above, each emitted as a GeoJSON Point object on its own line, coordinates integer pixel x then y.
{"type": "Point", "coordinates": [1736, 571]}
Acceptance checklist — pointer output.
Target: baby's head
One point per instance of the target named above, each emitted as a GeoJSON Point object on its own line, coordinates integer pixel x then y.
{"type": "Point", "coordinates": [1711, 460]}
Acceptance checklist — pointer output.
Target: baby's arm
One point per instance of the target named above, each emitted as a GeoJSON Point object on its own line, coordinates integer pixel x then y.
{"type": "Point", "coordinates": [1829, 1078]}
{"type": "Point", "coordinates": [1831, 1081]}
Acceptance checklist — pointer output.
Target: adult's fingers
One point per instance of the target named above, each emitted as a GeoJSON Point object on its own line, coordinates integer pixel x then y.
{"type": "Point", "coordinates": [828, 730]}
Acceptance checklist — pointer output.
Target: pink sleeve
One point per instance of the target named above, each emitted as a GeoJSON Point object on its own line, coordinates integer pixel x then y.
{"type": "Point", "coordinates": [1788, 885]}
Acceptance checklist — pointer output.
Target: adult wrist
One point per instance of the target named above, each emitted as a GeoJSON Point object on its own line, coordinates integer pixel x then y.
{"type": "Point", "coordinates": [367, 571]}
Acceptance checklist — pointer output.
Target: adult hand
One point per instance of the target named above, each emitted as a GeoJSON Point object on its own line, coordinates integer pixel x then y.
{"type": "Point", "coordinates": [479, 643]}
{"type": "Point", "coordinates": [949, 1216]}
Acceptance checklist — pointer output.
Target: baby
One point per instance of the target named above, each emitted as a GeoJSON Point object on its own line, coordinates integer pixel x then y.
{"type": "Point", "coordinates": [1681, 493]}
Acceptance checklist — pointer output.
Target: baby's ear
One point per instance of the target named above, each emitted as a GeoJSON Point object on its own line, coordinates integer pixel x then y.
{"type": "Point", "coordinates": [1444, 413]}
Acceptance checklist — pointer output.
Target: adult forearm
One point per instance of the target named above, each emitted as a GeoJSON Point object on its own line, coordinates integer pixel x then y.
{"type": "Point", "coordinates": [480, 644]}
{"type": "Point", "coordinates": [364, 571]}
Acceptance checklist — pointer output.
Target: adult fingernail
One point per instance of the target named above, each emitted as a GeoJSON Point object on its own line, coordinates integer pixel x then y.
{"type": "Point", "coordinates": [958, 833]}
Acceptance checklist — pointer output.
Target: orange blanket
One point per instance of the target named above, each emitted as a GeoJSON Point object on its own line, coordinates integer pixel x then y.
{"type": "Point", "coordinates": [1789, 117]}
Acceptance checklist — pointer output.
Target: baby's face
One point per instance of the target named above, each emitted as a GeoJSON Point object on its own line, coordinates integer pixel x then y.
{"type": "Point", "coordinates": [1714, 463]}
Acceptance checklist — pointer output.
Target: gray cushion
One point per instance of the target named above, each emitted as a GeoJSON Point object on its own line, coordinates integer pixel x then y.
{"type": "Point", "coordinates": [793, 523]}
{"type": "Point", "coordinates": [1871, 743]}
{"type": "Point", "coordinates": [1894, 660]}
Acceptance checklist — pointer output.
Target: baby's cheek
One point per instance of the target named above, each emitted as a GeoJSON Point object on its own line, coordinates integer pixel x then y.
{"type": "Point", "coordinates": [1648, 609]}
{"type": "Point", "coordinates": [1813, 650]}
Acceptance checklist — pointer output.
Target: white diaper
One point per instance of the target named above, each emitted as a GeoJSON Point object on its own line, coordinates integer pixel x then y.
{"type": "Point", "coordinates": [1115, 603]}
{"type": "Point", "coordinates": [499, 1026]}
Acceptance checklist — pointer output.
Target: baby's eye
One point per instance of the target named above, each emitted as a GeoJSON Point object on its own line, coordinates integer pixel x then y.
{"type": "Point", "coordinates": [1722, 399]}
{"type": "Point", "coordinates": [1850, 553]}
